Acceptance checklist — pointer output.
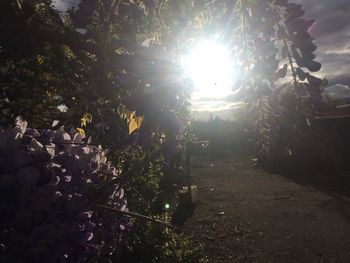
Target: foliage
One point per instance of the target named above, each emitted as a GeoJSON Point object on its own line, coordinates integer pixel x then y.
{"type": "Point", "coordinates": [95, 71]}
{"type": "Point", "coordinates": [285, 40]}
{"type": "Point", "coordinates": [165, 246]}
{"type": "Point", "coordinates": [50, 183]}
{"type": "Point", "coordinates": [108, 67]}
{"type": "Point", "coordinates": [273, 46]}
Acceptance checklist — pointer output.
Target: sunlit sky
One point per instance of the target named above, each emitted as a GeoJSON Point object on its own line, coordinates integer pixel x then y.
{"type": "Point", "coordinates": [332, 34]}
{"type": "Point", "coordinates": [211, 68]}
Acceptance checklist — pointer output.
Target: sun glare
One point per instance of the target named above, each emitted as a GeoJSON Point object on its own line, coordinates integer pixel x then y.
{"type": "Point", "coordinates": [211, 68]}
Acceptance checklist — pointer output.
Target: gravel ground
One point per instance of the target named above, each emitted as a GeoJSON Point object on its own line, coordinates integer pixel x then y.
{"type": "Point", "coordinates": [245, 214]}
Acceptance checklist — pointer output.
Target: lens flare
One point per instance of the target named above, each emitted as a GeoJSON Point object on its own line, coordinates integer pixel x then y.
{"type": "Point", "coordinates": [211, 69]}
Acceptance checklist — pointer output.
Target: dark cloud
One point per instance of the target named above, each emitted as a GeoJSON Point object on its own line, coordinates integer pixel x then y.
{"type": "Point", "coordinates": [342, 78]}
{"type": "Point", "coordinates": [332, 36]}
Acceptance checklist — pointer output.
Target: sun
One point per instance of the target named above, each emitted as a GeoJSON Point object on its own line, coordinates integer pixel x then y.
{"type": "Point", "coordinates": [211, 68]}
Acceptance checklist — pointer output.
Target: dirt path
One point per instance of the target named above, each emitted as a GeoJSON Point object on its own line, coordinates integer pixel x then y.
{"type": "Point", "coordinates": [247, 215]}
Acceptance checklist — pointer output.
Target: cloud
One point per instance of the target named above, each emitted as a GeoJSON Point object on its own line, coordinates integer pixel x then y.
{"type": "Point", "coordinates": [214, 105]}
{"type": "Point", "coordinates": [332, 37]}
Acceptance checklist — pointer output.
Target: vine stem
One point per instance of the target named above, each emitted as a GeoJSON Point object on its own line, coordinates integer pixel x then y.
{"type": "Point", "coordinates": [290, 60]}
{"type": "Point", "coordinates": [245, 39]}
{"type": "Point", "coordinates": [135, 215]}
{"type": "Point", "coordinates": [276, 9]}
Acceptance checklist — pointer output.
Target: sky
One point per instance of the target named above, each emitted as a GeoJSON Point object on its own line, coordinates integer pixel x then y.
{"type": "Point", "coordinates": [332, 37]}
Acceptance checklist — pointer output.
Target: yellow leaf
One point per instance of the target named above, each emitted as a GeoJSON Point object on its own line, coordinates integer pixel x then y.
{"type": "Point", "coordinates": [132, 125]}
{"type": "Point", "coordinates": [135, 123]}
{"type": "Point", "coordinates": [129, 115]}
{"type": "Point", "coordinates": [83, 122]}
{"type": "Point", "coordinates": [88, 117]}
{"type": "Point", "coordinates": [40, 59]}
{"type": "Point", "coordinates": [81, 131]}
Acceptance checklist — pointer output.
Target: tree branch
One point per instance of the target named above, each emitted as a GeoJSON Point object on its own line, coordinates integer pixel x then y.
{"type": "Point", "coordinates": [135, 215]}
